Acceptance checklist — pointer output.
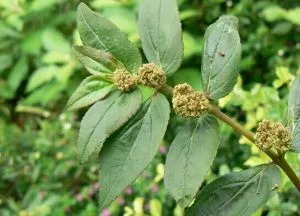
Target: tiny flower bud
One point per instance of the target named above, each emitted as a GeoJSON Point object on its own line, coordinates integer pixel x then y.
{"type": "Point", "coordinates": [124, 80]}
{"type": "Point", "coordinates": [273, 134]}
{"type": "Point", "coordinates": [188, 103]}
{"type": "Point", "coordinates": [152, 76]}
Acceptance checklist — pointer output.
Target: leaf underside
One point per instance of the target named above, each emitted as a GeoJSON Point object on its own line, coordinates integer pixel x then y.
{"type": "Point", "coordinates": [89, 57]}
{"type": "Point", "coordinates": [161, 34]}
{"type": "Point", "coordinates": [91, 90]}
{"type": "Point", "coordinates": [100, 33]}
{"type": "Point", "coordinates": [129, 151]}
{"type": "Point", "coordinates": [103, 118]}
{"type": "Point", "coordinates": [190, 157]}
{"type": "Point", "coordinates": [237, 193]}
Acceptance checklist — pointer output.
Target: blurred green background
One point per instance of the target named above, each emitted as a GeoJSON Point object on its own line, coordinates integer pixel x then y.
{"type": "Point", "coordinates": [39, 171]}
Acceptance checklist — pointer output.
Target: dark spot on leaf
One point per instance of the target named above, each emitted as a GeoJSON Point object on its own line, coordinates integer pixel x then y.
{"type": "Point", "coordinates": [222, 54]}
{"type": "Point", "coordinates": [276, 186]}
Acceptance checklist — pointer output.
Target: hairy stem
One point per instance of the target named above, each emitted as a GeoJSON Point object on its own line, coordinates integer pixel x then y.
{"type": "Point", "coordinates": [279, 160]}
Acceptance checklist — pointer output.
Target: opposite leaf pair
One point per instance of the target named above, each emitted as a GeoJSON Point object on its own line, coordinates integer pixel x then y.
{"type": "Point", "coordinates": [105, 50]}
{"type": "Point", "coordinates": [127, 149]}
{"type": "Point", "coordinates": [124, 128]}
{"type": "Point", "coordinates": [127, 130]}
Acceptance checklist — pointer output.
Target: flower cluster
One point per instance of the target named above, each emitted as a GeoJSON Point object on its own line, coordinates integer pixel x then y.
{"type": "Point", "coordinates": [273, 134]}
{"type": "Point", "coordinates": [152, 76]}
{"type": "Point", "coordinates": [188, 103]}
{"type": "Point", "coordinates": [124, 80]}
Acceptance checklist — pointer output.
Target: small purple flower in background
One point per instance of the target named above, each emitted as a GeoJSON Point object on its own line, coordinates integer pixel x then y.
{"type": "Point", "coordinates": [163, 149]}
{"type": "Point", "coordinates": [79, 197]}
{"type": "Point", "coordinates": [93, 189]}
{"type": "Point", "coordinates": [129, 191]}
{"type": "Point", "coordinates": [96, 186]}
{"type": "Point", "coordinates": [106, 212]}
{"type": "Point", "coordinates": [155, 188]}
{"type": "Point", "coordinates": [121, 200]}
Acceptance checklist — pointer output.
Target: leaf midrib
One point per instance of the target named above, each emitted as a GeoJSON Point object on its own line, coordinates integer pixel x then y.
{"type": "Point", "coordinates": [242, 188]}
{"type": "Point", "coordinates": [124, 164]}
{"type": "Point", "coordinates": [94, 128]}
{"type": "Point", "coordinates": [98, 91]}
{"type": "Point", "coordinates": [188, 158]}
{"type": "Point", "coordinates": [214, 56]}
{"type": "Point", "coordinates": [94, 33]}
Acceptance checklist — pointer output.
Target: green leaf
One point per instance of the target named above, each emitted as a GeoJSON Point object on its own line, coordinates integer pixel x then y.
{"type": "Point", "coordinates": [192, 44]}
{"type": "Point", "coordinates": [103, 118]}
{"type": "Point", "coordinates": [273, 13]}
{"type": "Point", "coordinates": [104, 58]}
{"type": "Point", "coordinates": [238, 193]}
{"type": "Point", "coordinates": [129, 151]}
{"type": "Point", "coordinates": [221, 57]}
{"type": "Point", "coordinates": [91, 65]}
{"type": "Point", "coordinates": [39, 5]}
{"type": "Point", "coordinates": [54, 57]}
{"type": "Point", "coordinates": [6, 61]}
{"type": "Point", "coordinates": [53, 40]}
{"type": "Point", "coordinates": [294, 100]}
{"type": "Point", "coordinates": [155, 207]}
{"type": "Point", "coordinates": [124, 19]}
{"type": "Point", "coordinates": [18, 73]}
{"type": "Point", "coordinates": [41, 76]}
{"type": "Point", "coordinates": [101, 4]}
{"type": "Point", "coordinates": [91, 89]}
{"type": "Point", "coordinates": [190, 157]}
{"type": "Point", "coordinates": [44, 95]}
{"type": "Point", "coordinates": [192, 76]}
{"type": "Point", "coordinates": [296, 138]}
{"type": "Point", "coordinates": [293, 16]}
{"type": "Point", "coordinates": [161, 34]}
{"type": "Point", "coordinates": [98, 32]}
{"type": "Point", "coordinates": [32, 42]}
{"type": "Point", "coordinates": [294, 113]}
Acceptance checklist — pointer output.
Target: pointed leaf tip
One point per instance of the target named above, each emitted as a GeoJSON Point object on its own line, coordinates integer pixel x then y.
{"type": "Point", "coordinates": [98, 32]}
{"type": "Point", "coordinates": [130, 150]}
{"type": "Point", "coordinates": [161, 34]}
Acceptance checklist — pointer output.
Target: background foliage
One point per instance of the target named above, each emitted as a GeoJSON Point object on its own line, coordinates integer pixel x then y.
{"type": "Point", "coordinates": [39, 172]}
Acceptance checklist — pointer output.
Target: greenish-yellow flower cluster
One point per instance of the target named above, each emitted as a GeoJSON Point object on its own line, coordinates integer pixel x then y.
{"type": "Point", "coordinates": [152, 76]}
{"type": "Point", "coordinates": [124, 80]}
{"type": "Point", "coordinates": [273, 134]}
{"type": "Point", "coordinates": [189, 103]}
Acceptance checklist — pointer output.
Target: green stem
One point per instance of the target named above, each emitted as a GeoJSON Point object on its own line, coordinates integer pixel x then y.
{"type": "Point", "coordinates": [279, 160]}
{"type": "Point", "coordinates": [168, 90]}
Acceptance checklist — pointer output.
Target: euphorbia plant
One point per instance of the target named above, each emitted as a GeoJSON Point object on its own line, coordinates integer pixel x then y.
{"type": "Point", "coordinates": [126, 129]}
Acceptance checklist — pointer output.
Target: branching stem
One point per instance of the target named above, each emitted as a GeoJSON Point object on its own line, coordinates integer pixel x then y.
{"type": "Point", "coordinates": [277, 159]}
